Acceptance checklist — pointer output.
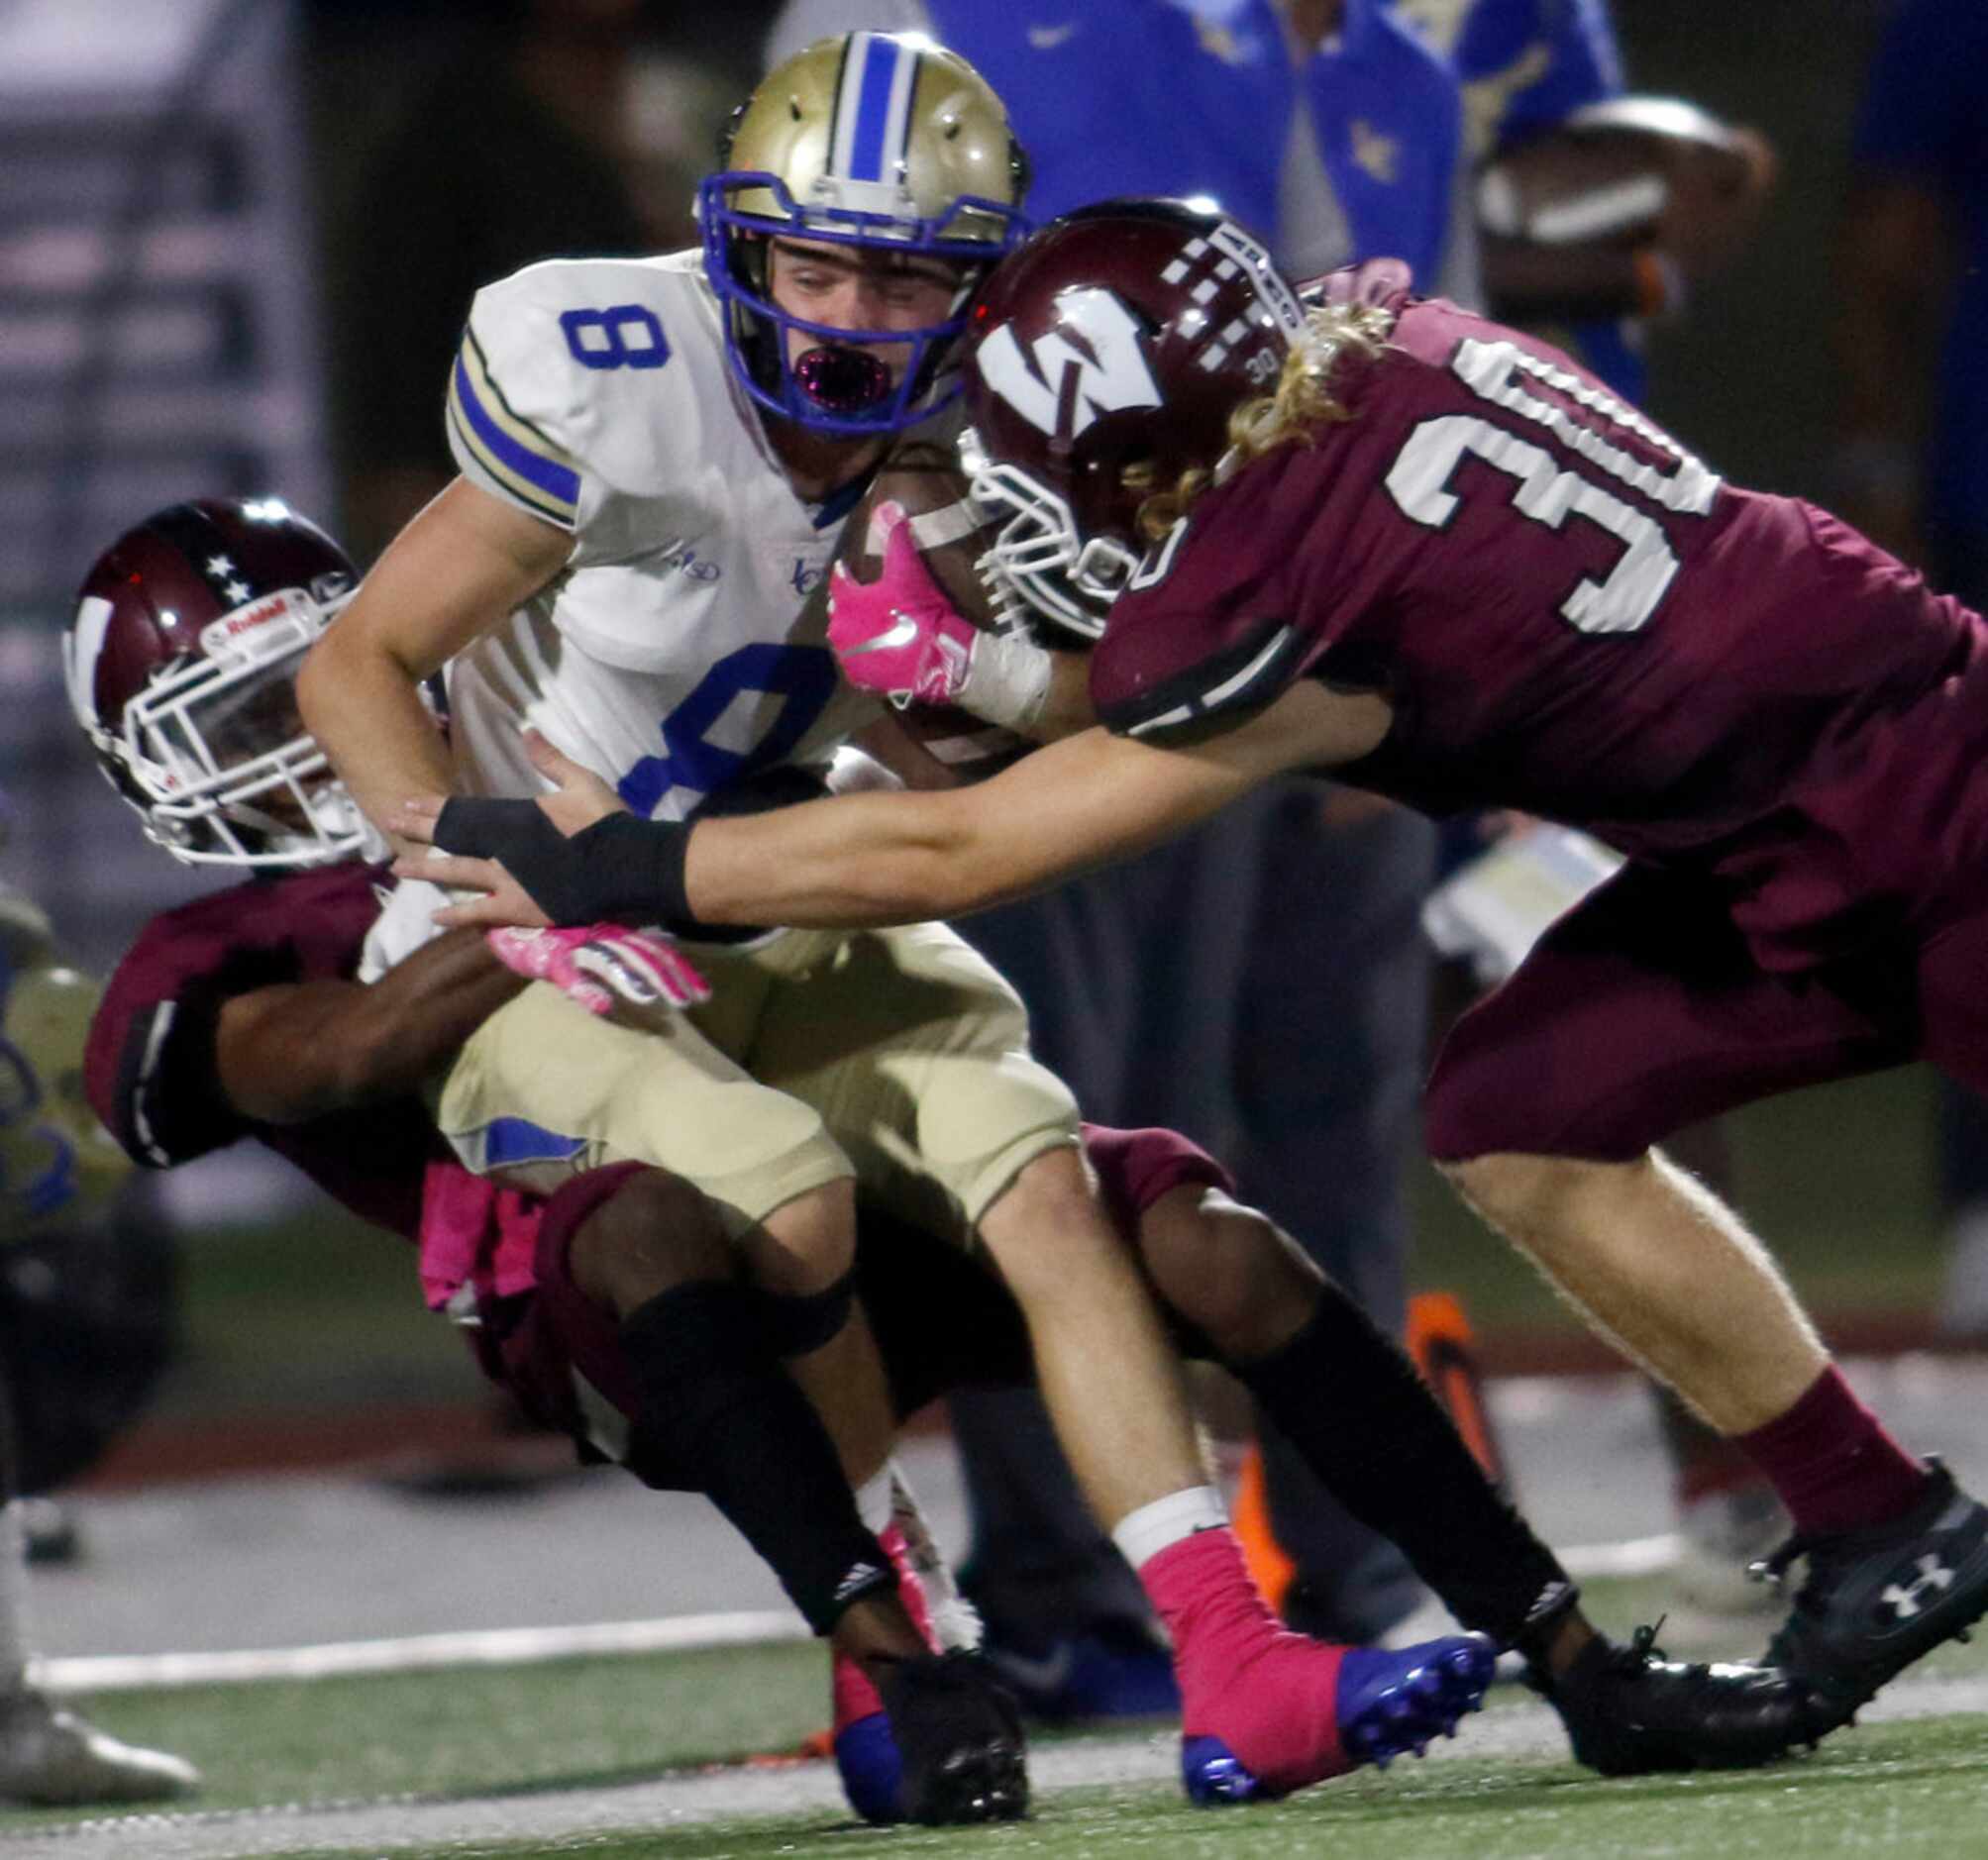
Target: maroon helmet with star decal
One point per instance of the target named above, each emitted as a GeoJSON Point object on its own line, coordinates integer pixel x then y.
{"type": "Point", "coordinates": [1121, 336]}
{"type": "Point", "coordinates": [181, 663]}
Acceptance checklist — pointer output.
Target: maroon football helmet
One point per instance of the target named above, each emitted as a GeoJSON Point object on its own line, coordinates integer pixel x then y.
{"type": "Point", "coordinates": [1122, 334]}
{"type": "Point", "coordinates": [181, 663]}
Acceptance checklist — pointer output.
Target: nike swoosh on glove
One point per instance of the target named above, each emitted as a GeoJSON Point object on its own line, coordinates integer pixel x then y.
{"type": "Point", "coordinates": [900, 634]}
{"type": "Point", "coordinates": [604, 965]}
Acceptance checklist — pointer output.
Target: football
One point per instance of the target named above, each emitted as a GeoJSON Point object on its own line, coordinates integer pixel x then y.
{"type": "Point", "coordinates": [924, 477]}
{"type": "Point", "coordinates": [1619, 169]}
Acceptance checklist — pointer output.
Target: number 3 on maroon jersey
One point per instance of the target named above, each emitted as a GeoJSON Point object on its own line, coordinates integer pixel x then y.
{"type": "Point", "coordinates": [1547, 493]}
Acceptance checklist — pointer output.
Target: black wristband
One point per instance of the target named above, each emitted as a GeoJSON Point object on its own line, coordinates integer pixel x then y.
{"type": "Point", "coordinates": [633, 868]}
{"type": "Point", "coordinates": [620, 866]}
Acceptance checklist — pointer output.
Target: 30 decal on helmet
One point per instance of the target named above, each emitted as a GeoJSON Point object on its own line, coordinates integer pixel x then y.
{"type": "Point", "coordinates": [1104, 359]}
{"type": "Point", "coordinates": [876, 140]}
{"type": "Point", "coordinates": [181, 663]}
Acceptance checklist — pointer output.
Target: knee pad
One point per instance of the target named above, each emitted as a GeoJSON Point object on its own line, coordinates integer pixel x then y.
{"type": "Point", "coordinates": [797, 1324]}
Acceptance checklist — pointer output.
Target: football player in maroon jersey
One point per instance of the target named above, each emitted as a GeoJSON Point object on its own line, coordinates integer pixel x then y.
{"type": "Point", "coordinates": [1434, 556]}
{"type": "Point", "coordinates": [237, 1015]}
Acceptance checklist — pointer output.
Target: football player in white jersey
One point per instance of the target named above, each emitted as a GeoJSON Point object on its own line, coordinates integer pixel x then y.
{"type": "Point", "coordinates": [61, 1175]}
{"type": "Point", "coordinates": [656, 457]}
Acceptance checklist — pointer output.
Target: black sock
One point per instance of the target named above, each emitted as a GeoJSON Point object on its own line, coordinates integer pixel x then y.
{"type": "Point", "coordinates": [717, 1405]}
{"type": "Point", "coordinates": [800, 1323]}
{"type": "Point", "coordinates": [1349, 1401]}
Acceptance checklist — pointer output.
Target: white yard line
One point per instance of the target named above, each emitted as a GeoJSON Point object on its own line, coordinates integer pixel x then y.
{"type": "Point", "coordinates": [524, 1646]}
{"type": "Point", "coordinates": [411, 1653]}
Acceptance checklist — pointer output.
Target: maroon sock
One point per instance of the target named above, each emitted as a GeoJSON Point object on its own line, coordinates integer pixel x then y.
{"type": "Point", "coordinates": [1833, 1462]}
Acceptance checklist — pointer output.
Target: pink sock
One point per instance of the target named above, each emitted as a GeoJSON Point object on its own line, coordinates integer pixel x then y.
{"type": "Point", "coordinates": [849, 1686]}
{"type": "Point", "coordinates": [1270, 1696]}
{"type": "Point", "coordinates": [1833, 1462]}
{"type": "Point", "coordinates": [850, 1692]}
{"type": "Point", "coordinates": [910, 1591]}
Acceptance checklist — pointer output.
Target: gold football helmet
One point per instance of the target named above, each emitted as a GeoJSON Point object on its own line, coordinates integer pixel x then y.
{"type": "Point", "coordinates": [58, 1164]}
{"type": "Point", "coordinates": [877, 140]}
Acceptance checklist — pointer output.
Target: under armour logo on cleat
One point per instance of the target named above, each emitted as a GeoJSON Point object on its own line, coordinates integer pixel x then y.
{"type": "Point", "coordinates": [1933, 1574]}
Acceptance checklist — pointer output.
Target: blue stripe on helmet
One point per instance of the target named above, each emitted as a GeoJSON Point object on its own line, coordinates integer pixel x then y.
{"type": "Point", "coordinates": [873, 111]}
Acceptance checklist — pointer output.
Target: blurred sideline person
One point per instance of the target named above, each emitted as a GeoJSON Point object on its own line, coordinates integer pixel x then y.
{"type": "Point", "coordinates": [1911, 352]}
{"type": "Point", "coordinates": [1441, 560]}
{"type": "Point", "coordinates": [62, 1182]}
{"type": "Point", "coordinates": [1531, 68]}
{"type": "Point", "coordinates": [515, 148]}
{"type": "Point", "coordinates": [1330, 125]}
{"type": "Point", "coordinates": [237, 1016]}
{"type": "Point", "coordinates": [657, 458]}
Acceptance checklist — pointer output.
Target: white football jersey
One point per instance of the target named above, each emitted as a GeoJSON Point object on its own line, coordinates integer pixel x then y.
{"type": "Point", "coordinates": [673, 655]}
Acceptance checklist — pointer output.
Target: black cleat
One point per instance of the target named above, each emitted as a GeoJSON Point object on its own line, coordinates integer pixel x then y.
{"type": "Point", "coordinates": [959, 1732]}
{"type": "Point", "coordinates": [1874, 1600]}
{"type": "Point", "coordinates": [1630, 1712]}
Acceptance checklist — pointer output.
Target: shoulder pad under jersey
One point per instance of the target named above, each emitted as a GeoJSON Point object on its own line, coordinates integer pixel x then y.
{"type": "Point", "coordinates": [582, 379]}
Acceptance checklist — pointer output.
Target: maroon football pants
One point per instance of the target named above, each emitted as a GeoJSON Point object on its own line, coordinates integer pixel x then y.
{"type": "Point", "coordinates": [1643, 1010]}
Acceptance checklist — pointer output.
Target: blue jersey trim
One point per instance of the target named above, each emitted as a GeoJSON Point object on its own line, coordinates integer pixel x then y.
{"type": "Point", "coordinates": [509, 1139]}
{"type": "Point", "coordinates": [839, 504]}
{"type": "Point", "coordinates": [558, 481]}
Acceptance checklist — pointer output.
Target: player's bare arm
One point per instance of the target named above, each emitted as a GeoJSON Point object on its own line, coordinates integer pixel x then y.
{"type": "Point", "coordinates": [1067, 708]}
{"type": "Point", "coordinates": [293, 1050]}
{"type": "Point", "coordinates": [465, 562]}
{"type": "Point", "coordinates": [866, 860]}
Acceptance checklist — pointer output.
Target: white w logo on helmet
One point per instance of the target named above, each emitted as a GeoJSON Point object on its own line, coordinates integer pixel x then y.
{"type": "Point", "coordinates": [1058, 388]}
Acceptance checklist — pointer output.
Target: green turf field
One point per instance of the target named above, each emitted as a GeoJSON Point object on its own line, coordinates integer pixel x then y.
{"type": "Point", "coordinates": [1897, 1789]}
{"type": "Point", "coordinates": [1912, 1794]}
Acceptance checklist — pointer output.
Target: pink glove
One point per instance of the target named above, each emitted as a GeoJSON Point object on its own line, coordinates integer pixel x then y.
{"type": "Point", "coordinates": [900, 634]}
{"type": "Point", "coordinates": [604, 963]}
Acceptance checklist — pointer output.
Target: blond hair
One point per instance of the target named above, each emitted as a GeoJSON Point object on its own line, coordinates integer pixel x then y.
{"type": "Point", "coordinates": [1301, 401]}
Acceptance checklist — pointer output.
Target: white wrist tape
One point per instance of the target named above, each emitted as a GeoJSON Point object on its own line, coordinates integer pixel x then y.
{"type": "Point", "coordinates": [1008, 680]}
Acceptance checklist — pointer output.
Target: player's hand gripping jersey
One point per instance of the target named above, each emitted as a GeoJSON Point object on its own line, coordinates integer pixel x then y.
{"type": "Point", "coordinates": [1572, 615]}
{"type": "Point", "coordinates": [672, 657]}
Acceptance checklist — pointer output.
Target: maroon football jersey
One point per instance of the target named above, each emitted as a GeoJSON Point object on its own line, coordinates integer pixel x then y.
{"type": "Point", "coordinates": [149, 1065]}
{"type": "Point", "coordinates": [1573, 616]}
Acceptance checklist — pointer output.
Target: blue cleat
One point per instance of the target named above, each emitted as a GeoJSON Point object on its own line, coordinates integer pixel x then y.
{"type": "Point", "coordinates": [1214, 1777]}
{"type": "Point", "coordinates": [1388, 1703]}
{"type": "Point", "coordinates": [964, 1735]}
{"type": "Point", "coordinates": [872, 1771]}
